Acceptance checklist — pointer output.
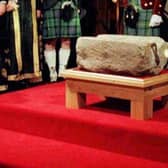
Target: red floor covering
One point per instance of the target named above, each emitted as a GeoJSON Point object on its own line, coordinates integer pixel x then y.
{"type": "Point", "coordinates": [38, 131]}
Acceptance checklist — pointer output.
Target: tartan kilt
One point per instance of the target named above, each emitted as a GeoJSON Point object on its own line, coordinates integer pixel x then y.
{"type": "Point", "coordinates": [143, 28]}
{"type": "Point", "coordinates": [55, 27]}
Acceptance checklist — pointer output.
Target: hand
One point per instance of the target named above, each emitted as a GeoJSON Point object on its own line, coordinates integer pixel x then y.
{"type": "Point", "coordinates": [114, 1]}
{"type": "Point", "coordinates": [2, 9]}
{"type": "Point", "coordinates": [12, 5]}
{"type": "Point", "coordinates": [38, 12]}
{"type": "Point", "coordinates": [155, 20]}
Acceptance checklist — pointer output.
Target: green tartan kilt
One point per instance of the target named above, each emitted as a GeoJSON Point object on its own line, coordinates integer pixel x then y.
{"type": "Point", "coordinates": [55, 27]}
{"type": "Point", "coordinates": [143, 28]}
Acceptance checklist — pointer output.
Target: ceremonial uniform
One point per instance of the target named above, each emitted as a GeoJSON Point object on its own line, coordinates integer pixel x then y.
{"type": "Point", "coordinates": [3, 50]}
{"type": "Point", "coordinates": [55, 27]}
{"type": "Point", "coordinates": [146, 9]}
{"type": "Point", "coordinates": [23, 57]}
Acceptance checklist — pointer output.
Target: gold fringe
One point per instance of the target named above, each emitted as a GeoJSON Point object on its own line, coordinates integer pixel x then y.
{"type": "Point", "coordinates": [35, 39]}
{"type": "Point", "coordinates": [17, 37]}
{"type": "Point", "coordinates": [36, 80]}
{"type": "Point", "coordinates": [18, 77]}
{"type": "Point", "coordinates": [3, 87]}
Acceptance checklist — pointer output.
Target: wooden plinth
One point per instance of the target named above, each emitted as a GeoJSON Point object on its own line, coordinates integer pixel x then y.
{"type": "Point", "coordinates": [140, 92]}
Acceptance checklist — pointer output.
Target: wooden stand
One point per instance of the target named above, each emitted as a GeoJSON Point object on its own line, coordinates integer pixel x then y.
{"type": "Point", "coordinates": [140, 92]}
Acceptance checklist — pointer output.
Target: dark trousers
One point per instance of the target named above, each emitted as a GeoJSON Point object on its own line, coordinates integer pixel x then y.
{"type": "Point", "coordinates": [72, 59]}
{"type": "Point", "coordinates": [164, 29]}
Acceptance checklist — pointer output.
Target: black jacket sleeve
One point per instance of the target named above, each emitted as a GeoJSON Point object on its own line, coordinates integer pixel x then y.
{"type": "Point", "coordinates": [38, 5]}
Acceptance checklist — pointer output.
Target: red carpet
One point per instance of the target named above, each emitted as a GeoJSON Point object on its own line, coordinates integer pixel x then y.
{"type": "Point", "coordinates": [38, 131]}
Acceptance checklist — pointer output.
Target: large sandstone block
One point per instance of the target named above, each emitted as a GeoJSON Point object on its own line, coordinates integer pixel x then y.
{"type": "Point", "coordinates": [122, 54]}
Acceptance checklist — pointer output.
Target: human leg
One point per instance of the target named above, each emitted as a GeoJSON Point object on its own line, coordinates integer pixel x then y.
{"type": "Point", "coordinates": [64, 54]}
{"type": "Point", "coordinates": [50, 59]}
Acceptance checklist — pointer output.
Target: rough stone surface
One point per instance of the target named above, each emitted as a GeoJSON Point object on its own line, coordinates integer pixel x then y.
{"type": "Point", "coordinates": [122, 54]}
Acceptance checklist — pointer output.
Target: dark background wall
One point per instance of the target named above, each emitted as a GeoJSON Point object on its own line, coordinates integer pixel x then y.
{"type": "Point", "coordinates": [100, 17]}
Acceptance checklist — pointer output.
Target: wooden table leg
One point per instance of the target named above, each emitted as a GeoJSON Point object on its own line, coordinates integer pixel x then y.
{"type": "Point", "coordinates": [74, 99]}
{"type": "Point", "coordinates": [142, 109]}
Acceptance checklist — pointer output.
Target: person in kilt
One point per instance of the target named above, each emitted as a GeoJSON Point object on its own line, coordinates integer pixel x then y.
{"type": "Point", "coordinates": [3, 46]}
{"type": "Point", "coordinates": [149, 19]}
{"type": "Point", "coordinates": [56, 27]}
{"type": "Point", "coordinates": [23, 57]}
